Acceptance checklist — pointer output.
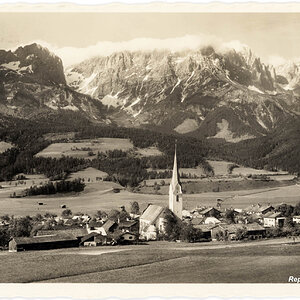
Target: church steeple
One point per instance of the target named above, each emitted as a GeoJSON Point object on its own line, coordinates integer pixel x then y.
{"type": "Point", "coordinates": [175, 174]}
{"type": "Point", "coordinates": [175, 191]}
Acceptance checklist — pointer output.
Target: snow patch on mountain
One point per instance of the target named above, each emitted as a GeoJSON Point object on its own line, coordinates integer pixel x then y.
{"type": "Point", "coordinates": [255, 89]}
{"type": "Point", "coordinates": [177, 83]}
{"type": "Point", "coordinates": [111, 100]}
{"type": "Point", "coordinates": [13, 65]}
{"type": "Point", "coordinates": [84, 86]}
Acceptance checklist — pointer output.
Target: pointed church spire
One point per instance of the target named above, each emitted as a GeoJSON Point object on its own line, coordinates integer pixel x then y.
{"type": "Point", "coordinates": [175, 175]}
{"type": "Point", "coordinates": [175, 191]}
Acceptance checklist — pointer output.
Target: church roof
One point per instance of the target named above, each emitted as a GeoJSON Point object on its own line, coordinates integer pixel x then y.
{"type": "Point", "coordinates": [151, 213]}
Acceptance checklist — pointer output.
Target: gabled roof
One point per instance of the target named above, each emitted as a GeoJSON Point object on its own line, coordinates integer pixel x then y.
{"type": "Point", "coordinates": [76, 232]}
{"type": "Point", "coordinates": [206, 210]}
{"type": "Point", "coordinates": [44, 239]}
{"type": "Point", "coordinates": [95, 224]}
{"type": "Point", "coordinates": [258, 208]}
{"type": "Point", "coordinates": [197, 221]}
{"type": "Point", "coordinates": [151, 213]}
{"type": "Point", "coordinates": [273, 215]}
{"type": "Point", "coordinates": [127, 224]}
{"type": "Point", "coordinates": [88, 236]}
{"type": "Point", "coordinates": [205, 227]}
{"type": "Point", "coordinates": [108, 224]}
{"type": "Point", "coordinates": [232, 228]}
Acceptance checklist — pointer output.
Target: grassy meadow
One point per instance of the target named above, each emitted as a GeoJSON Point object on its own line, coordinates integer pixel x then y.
{"type": "Point", "coordinates": [268, 261]}
{"type": "Point", "coordinates": [89, 148]}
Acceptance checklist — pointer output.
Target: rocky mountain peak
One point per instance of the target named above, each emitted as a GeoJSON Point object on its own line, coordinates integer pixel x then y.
{"type": "Point", "coordinates": [34, 62]}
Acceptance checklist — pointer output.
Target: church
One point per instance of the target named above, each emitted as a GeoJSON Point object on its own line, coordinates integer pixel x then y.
{"type": "Point", "coordinates": [152, 219]}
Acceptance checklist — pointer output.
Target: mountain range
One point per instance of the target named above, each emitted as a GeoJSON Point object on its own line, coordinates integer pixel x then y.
{"type": "Point", "coordinates": [230, 95]}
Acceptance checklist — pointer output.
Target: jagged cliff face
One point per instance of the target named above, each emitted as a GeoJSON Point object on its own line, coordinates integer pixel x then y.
{"type": "Point", "coordinates": [230, 95]}
{"type": "Point", "coordinates": [32, 82]}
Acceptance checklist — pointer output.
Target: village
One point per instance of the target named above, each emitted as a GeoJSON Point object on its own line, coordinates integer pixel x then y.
{"type": "Point", "coordinates": [155, 222]}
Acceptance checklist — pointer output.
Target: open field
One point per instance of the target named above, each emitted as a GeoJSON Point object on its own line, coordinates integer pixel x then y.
{"type": "Point", "coordinates": [5, 146]}
{"type": "Point", "coordinates": [82, 148]}
{"type": "Point", "coordinates": [100, 196]}
{"type": "Point", "coordinates": [268, 261]}
{"type": "Point", "coordinates": [206, 185]}
{"type": "Point", "coordinates": [221, 169]}
{"type": "Point", "coordinates": [88, 174]}
{"type": "Point", "coordinates": [89, 148]}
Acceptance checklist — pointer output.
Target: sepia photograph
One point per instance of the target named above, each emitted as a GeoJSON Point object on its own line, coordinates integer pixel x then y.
{"type": "Point", "coordinates": [149, 147]}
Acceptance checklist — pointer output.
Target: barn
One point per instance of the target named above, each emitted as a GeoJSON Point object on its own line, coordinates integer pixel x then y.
{"type": "Point", "coordinates": [76, 232]}
{"type": "Point", "coordinates": [42, 243]}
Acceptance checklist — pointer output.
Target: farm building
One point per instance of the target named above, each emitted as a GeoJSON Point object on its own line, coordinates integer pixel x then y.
{"type": "Point", "coordinates": [76, 232]}
{"type": "Point", "coordinates": [206, 230]}
{"type": "Point", "coordinates": [129, 226]}
{"type": "Point", "coordinates": [209, 212]}
{"type": "Point", "coordinates": [259, 209]}
{"type": "Point", "coordinates": [151, 222]}
{"type": "Point", "coordinates": [197, 221]}
{"type": "Point", "coordinates": [254, 230]}
{"type": "Point", "coordinates": [296, 219]}
{"type": "Point", "coordinates": [95, 226]}
{"type": "Point", "coordinates": [109, 227]}
{"type": "Point", "coordinates": [102, 228]}
{"type": "Point", "coordinates": [42, 243]}
{"type": "Point", "coordinates": [127, 238]}
{"type": "Point", "coordinates": [274, 220]}
{"type": "Point", "coordinates": [96, 239]}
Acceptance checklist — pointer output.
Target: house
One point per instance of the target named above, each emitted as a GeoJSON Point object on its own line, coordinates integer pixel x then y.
{"type": "Point", "coordinates": [109, 227]}
{"type": "Point", "coordinates": [129, 226]}
{"type": "Point", "coordinates": [206, 230]}
{"type": "Point", "coordinates": [95, 226]}
{"type": "Point", "coordinates": [42, 243]}
{"type": "Point", "coordinates": [209, 212]}
{"type": "Point", "coordinates": [186, 214]}
{"type": "Point", "coordinates": [272, 219]}
{"type": "Point", "coordinates": [152, 222]}
{"type": "Point", "coordinates": [95, 239]}
{"type": "Point", "coordinates": [211, 220]}
{"type": "Point", "coordinates": [197, 221]}
{"type": "Point", "coordinates": [126, 238]}
{"type": "Point", "coordinates": [255, 231]}
{"type": "Point", "coordinates": [296, 219]}
{"type": "Point", "coordinates": [259, 209]}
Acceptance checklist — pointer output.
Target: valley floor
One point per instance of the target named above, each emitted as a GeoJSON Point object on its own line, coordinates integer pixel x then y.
{"type": "Point", "coordinates": [100, 196]}
{"type": "Point", "coordinates": [267, 261]}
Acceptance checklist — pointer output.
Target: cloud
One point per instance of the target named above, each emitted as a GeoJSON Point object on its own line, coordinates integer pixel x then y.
{"type": "Point", "coordinates": [73, 55]}
{"type": "Point", "coordinates": [276, 60]}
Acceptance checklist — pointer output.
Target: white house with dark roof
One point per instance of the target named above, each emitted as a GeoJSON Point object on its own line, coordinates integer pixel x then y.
{"type": "Point", "coordinates": [274, 219]}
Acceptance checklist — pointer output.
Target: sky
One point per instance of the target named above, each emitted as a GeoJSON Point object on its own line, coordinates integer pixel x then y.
{"type": "Point", "coordinates": [76, 36]}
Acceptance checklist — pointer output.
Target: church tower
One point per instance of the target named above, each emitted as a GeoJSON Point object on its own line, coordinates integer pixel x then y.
{"type": "Point", "coordinates": [175, 191]}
